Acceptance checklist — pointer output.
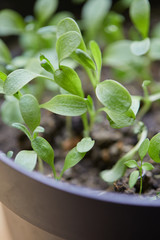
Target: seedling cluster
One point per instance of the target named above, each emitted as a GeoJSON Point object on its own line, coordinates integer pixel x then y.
{"type": "Point", "coordinates": [22, 109]}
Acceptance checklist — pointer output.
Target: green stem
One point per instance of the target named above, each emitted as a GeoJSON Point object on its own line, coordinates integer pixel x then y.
{"type": "Point", "coordinates": [141, 182]}
{"type": "Point", "coordinates": [91, 77]}
{"type": "Point", "coordinates": [85, 124]}
{"type": "Point", "coordinates": [54, 171]}
{"type": "Point", "coordinates": [144, 109]}
{"type": "Point", "coordinates": [119, 168]}
{"type": "Point", "coordinates": [40, 165]}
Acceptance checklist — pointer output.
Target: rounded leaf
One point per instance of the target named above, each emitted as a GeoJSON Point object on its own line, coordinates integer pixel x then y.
{"type": "Point", "coordinates": [67, 43]}
{"type": "Point", "coordinates": [30, 111]}
{"type": "Point", "coordinates": [69, 80]}
{"type": "Point", "coordinates": [44, 9]}
{"type": "Point", "coordinates": [144, 148]}
{"type": "Point", "coordinates": [147, 166]}
{"type": "Point", "coordinates": [154, 148]}
{"type": "Point", "coordinates": [85, 145]}
{"type": "Point", "coordinates": [43, 150]}
{"type": "Point", "coordinates": [140, 47]}
{"type": "Point", "coordinates": [131, 164]}
{"type": "Point", "coordinates": [140, 15]}
{"type": "Point", "coordinates": [26, 159]}
{"type": "Point", "coordinates": [133, 178]}
{"type": "Point", "coordinates": [66, 105]}
{"type": "Point", "coordinates": [113, 96]}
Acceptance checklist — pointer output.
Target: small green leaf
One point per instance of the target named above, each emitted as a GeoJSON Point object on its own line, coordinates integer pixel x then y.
{"type": "Point", "coordinates": [113, 96]}
{"type": "Point", "coordinates": [144, 148]}
{"type": "Point", "coordinates": [96, 53]}
{"type": "Point", "coordinates": [69, 80]}
{"type": "Point", "coordinates": [39, 129]}
{"type": "Point", "coordinates": [154, 148]}
{"type": "Point", "coordinates": [18, 79]}
{"type": "Point", "coordinates": [85, 145]}
{"type": "Point", "coordinates": [120, 120]}
{"type": "Point", "coordinates": [23, 129]}
{"type": "Point", "coordinates": [85, 59]}
{"type": "Point", "coordinates": [72, 158]}
{"type": "Point", "coordinates": [3, 76]}
{"type": "Point", "coordinates": [44, 9]}
{"type": "Point", "coordinates": [67, 25]}
{"type": "Point", "coordinates": [9, 154]}
{"type": "Point", "coordinates": [67, 44]}
{"type": "Point", "coordinates": [46, 64]}
{"type": "Point", "coordinates": [131, 164]}
{"type": "Point", "coordinates": [43, 150]}
{"type": "Point", "coordinates": [11, 23]}
{"type": "Point", "coordinates": [26, 159]}
{"type": "Point", "coordinates": [94, 11]}
{"type": "Point", "coordinates": [30, 111]}
{"type": "Point", "coordinates": [66, 105]}
{"type": "Point", "coordinates": [5, 56]}
{"type": "Point", "coordinates": [147, 166]}
{"type": "Point", "coordinates": [140, 47]}
{"type": "Point", "coordinates": [133, 178]}
{"type": "Point", "coordinates": [140, 15]}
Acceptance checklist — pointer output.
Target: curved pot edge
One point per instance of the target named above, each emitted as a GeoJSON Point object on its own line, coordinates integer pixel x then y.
{"type": "Point", "coordinates": [115, 198]}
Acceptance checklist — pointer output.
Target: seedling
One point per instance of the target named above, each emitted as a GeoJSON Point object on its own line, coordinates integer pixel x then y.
{"type": "Point", "coordinates": [143, 166]}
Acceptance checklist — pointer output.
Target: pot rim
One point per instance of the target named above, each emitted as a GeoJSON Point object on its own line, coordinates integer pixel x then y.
{"type": "Point", "coordinates": [116, 198]}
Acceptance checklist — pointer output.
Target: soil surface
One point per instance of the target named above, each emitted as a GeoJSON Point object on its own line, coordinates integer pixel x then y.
{"type": "Point", "coordinates": [111, 144]}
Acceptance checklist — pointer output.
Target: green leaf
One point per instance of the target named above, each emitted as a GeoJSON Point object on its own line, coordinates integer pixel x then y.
{"type": "Point", "coordinates": [67, 44]}
{"type": "Point", "coordinates": [5, 56]}
{"type": "Point", "coordinates": [10, 111]}
{"type": "Point", "coordinates": [3, 76]}
{"type": "Point", "coordinates": [140, 47]}
{"type": "Point", "coordinates": [23, 129]}
{"type": "Point", "coordinates": [44, 9]}
{"type": "Point", "coordinates": [72, 158]}
{"type": "Point", "coordinates": [18, 79]}
{"type": "Point", "coordinates": [85, 59]}
{"type": "Point", "coordinates": [135, 104]}
{"type": "Point", "coordinates": [9, 154]}
{"type": "Point", "coordinates": [39, 129]}
{"type": "Point", "coordinates": [66, 105]}
{"type": "Point", "coordinates": [69, 80]}
{"type": "Point", "coordinates": [133, 178]}
{"type": "Point", "coordinates": [46, 64]}
{"type": "Point", "coordinates": [94, 12]}
{"type": "Point", "coordinates": [85, 145]}
{"type": "Point", "coordinates": [131, 164]}
{"type": "Point", "coordinates": [144, 148]}
{"type": "Point", "coordinates": [30, 111]}
{"type": "Point", "coordinates": [140, 15]}
{"type": "Point", "coordinates": [67, 25]}
{"type": "Point", "coordinates": [154, 148]}
{"type": "Point", "coordinates": [11, 23]}
{"type": "Point", "coordinates": [119, 55]}
{"type": "Point", "coordinates": [120, 120]}
{"type": "Point", "coordinates": [26, 159]}
{"type": "Point", "coordinates": [113, 96]}
{"type": "Point", "coordinates": [43, 150]}
{"type": "Point", "coordinates": [96, 53]}
{"type": "Point", "coordinates": [147, 166]}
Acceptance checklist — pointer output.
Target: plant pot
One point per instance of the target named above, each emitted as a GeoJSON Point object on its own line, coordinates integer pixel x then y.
{"type": "Point", "coordinates": [76, 213]}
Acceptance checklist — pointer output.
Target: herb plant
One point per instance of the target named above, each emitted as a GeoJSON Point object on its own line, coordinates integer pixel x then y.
{"type": "Point", "coordinates": [22, 108]}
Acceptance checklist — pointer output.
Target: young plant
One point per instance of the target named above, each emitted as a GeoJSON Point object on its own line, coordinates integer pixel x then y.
{"type": "Point", "coordinates": [30, 111]}
{"type": "Point", "coordinates": [143, 166]}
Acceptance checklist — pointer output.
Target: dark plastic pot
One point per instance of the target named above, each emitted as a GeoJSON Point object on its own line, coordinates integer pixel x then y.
{"type": "Point", "coordinates": [76, 213]}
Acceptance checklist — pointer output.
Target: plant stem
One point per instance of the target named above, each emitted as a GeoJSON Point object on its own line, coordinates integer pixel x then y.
{"type": "Point", "coordinates": [85, 124]}
{"type": "Point", "coordinates": [40, 165]}
{"type": "Point", "coordinates": [141, 182]}
{"type": "Point", "coordinates": [144, 109]}
{"type": "Point", "coordinates": [119, 168]}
